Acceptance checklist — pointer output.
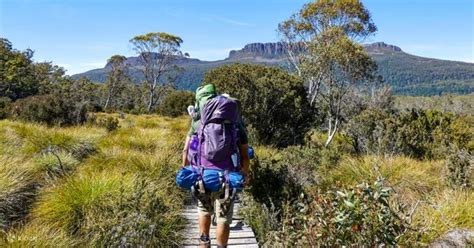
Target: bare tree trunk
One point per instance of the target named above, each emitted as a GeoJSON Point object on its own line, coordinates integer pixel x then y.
{"type": "Point", "coordinates": [107, 101]}
{"type": "Point", "coordinates": [150, 102]}
{"type": "Point", "coordinates": [332, 130]}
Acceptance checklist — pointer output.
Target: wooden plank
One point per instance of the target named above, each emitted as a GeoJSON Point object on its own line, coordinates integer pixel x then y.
{"type": "Point", "coordinates": [231, 242]}
{"type": "Point", "coordinates": [241, 235]}
{"type": "Point", "coordinates": [233, 246]}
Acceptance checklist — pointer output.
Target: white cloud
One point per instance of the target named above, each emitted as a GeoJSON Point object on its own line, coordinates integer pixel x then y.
{"type": "Point", "coordinates": [72, 69]}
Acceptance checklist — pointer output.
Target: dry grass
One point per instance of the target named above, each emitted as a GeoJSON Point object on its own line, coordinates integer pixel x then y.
{"type": "Point", "coordinates": [450, 209]}
{"type": "Point", "coordinates": [411, 178]}
{"type": "Point", "coordinates": [87, 177]}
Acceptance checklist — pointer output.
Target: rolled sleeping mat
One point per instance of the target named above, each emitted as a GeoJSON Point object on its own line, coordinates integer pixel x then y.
{"type": "Point", "coordinates": [213, 183]}
{"type": "Point", "coordinates": [187, 177]}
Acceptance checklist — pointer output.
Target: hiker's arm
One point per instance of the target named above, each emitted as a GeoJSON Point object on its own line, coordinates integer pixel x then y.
{"type": "Point", "coordinates": [185, 152]}
{"type": "Point", "coordinates": [245, 160]}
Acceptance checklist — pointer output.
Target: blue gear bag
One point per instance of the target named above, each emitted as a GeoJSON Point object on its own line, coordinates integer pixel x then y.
{"type": "Point", "coordinates": [186, 177]}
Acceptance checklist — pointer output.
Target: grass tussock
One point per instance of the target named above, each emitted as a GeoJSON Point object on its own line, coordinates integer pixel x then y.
{"type": "Point", "coordinates": [18, 188]}
{"type": "Point", "coordinates": [450, 209]}
{"type": "Point", "coordinates": [413, 178]}
{"type": "Point", "coordinates": [96, 187]}
{"type": "Point", "coordinates": [67, 206]}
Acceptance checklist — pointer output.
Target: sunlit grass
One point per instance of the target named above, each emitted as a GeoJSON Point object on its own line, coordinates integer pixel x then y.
{"type": "Point", "coordinates": [37, 236]}
{"type": "Point", "coordinates": [442, 212]}
{"type": "Point", "coordinates": [412, 179]}
{"type": "Point", "coordinates": [84, 178]}
{"type": "Point", "coordinates": [68, 206]}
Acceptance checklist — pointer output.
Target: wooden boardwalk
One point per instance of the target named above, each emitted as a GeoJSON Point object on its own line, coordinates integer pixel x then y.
{"type": "Point", "coordinates": [241, 235]}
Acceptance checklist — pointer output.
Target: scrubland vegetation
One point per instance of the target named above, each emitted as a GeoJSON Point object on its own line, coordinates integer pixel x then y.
{"type": "Point", "coordinates": [339, 161]}
{"type": "Point", "coordinates": [82, 186]}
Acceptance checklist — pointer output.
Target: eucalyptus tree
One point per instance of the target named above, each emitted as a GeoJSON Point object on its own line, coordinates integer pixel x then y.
{"type": "Point", "coordinates": [157, 51]}
{"type": "Point", "coordinates": [117, 78]}
{"type": "Point", "coordinates": [322, 44]}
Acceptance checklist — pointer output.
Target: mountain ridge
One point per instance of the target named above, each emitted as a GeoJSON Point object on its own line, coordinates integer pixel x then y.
{"type": "Point", "coordinates": [408, 74]}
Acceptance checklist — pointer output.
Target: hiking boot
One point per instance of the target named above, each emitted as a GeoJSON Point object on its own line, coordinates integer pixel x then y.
{"type": "Point", "coordinates": [204, 241]}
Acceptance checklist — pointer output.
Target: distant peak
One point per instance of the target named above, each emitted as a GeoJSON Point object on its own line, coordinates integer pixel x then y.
{"type": "Point", "coordinates": [277, 50]}
{"type": "Point", "coordinates": [271, 49]}
{"type": "Point", "coordinates": [381, 47]}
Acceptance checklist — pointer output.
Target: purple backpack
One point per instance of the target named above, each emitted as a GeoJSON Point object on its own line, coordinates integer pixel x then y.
{"type": "Point", "coordinates": [217, 138]}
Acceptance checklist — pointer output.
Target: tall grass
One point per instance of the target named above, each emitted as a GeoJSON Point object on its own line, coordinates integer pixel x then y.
{"type": "Point", "coordinates": [98, 188]}
{"type": "Point", "coordinates": [451, 209]}
{"type": "Point", "coordinates": [17, 190]}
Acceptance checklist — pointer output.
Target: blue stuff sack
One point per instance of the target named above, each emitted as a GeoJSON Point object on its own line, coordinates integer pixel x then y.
{"type": "Point", "coordinates": [186, 177]}
{"type": "Point", "coordinates": [212, 179]}
{"type": "Point", "coordinates": [236, 181]}
{"type": "Point", "coordinates": [251, 152]}
{"type": "Point", "coordinates": [213, 183]}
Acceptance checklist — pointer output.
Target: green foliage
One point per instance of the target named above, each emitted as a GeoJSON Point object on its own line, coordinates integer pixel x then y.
{"type": "Point", "coordinates": [49, 109]}
{"type": "Point", "coordinates": [273, 102]}
{"type": "Point", "coordinates": [458, 104]}
{"type": "Point", "coordinates": [157, 51]}
{"type": "Point", "coordinates": [176, 103]}
{"type": "Point", "coordinates": [110, 123]}
{"type": "Point", "coordinates": [5, 106]}
{"type": "Point", "coordinates": [17, 79]}
{"type": "Point", "coordinates": [362, 216]}
{"type": "Point", "coordinates": [140, 219]}
{"type": "Point", "coordinates": [117, 78]}
{"type": "Point", "coordinates": [333, 65]}
{"type": "Point", "coordinates": [417, 133]}
{"type": "Point", "coordinates": [460, 166]}
{"type": "Point", "coordinates": [68, 206]}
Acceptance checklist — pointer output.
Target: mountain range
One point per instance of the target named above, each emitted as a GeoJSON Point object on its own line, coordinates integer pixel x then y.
{"type": "Point", "coordinates": [406, 73]}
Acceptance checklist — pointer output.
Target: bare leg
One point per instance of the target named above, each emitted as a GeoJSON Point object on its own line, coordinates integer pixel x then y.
{"type": "Point", "coordinates": [222, 234]}
{"type": "Point", "coordinates": [204, 224]}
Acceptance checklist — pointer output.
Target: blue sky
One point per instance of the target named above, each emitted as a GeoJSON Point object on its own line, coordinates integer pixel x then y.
{"type": "Point", "coordinates": [81, 35]}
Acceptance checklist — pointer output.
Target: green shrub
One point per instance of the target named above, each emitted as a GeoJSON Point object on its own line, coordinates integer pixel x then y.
{"type": "Point", "coordinates": [272, 101]}
{"type": "Point", "coordinates": [459, 164]}
{"type": "Point", "coordinates": [5, 106]}
{"type": "Point", "coordinates": [140, 219]}
{"type": "Point", "coordinates": [110, 123]}
{"type": "Point", "coordinates": [416, 133]}
{"type": "Point", "coordinates": [49, 109]}
{"type": "Point", "coordinates": [284, 176]}
{"type": "Point", "coordinates": [363, 216]}
{"type": "Point", "coordinates": [176, 103]}
{"type": "Point", "coordinates": [262, 218]}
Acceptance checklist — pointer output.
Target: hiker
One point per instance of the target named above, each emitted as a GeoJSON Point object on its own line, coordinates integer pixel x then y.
{"type": "Point", "coordinates": [217, 203]}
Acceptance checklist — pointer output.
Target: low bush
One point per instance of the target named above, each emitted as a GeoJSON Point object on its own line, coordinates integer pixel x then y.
{"type": "Point", "coordinates": [282, 176]}
{"type": "Point", "coordinates": [5, 107]}
{"type": "Point", "coordinates": [415, 133]}
{"type": "Point", "coordinates": [110, 123]}
{"type": "Point", "coordinates": [459, 164]}
{"type": "Point", "coordinates": [176, 103]}
{"type": "Point", "coordinates": [140, 219]}
{"type": "Point", "coordinates": [273, 102]}
{"type": "Point", "coordinates": [362, 216]}
{"type": "Point", "coordinates": [49, 109]}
